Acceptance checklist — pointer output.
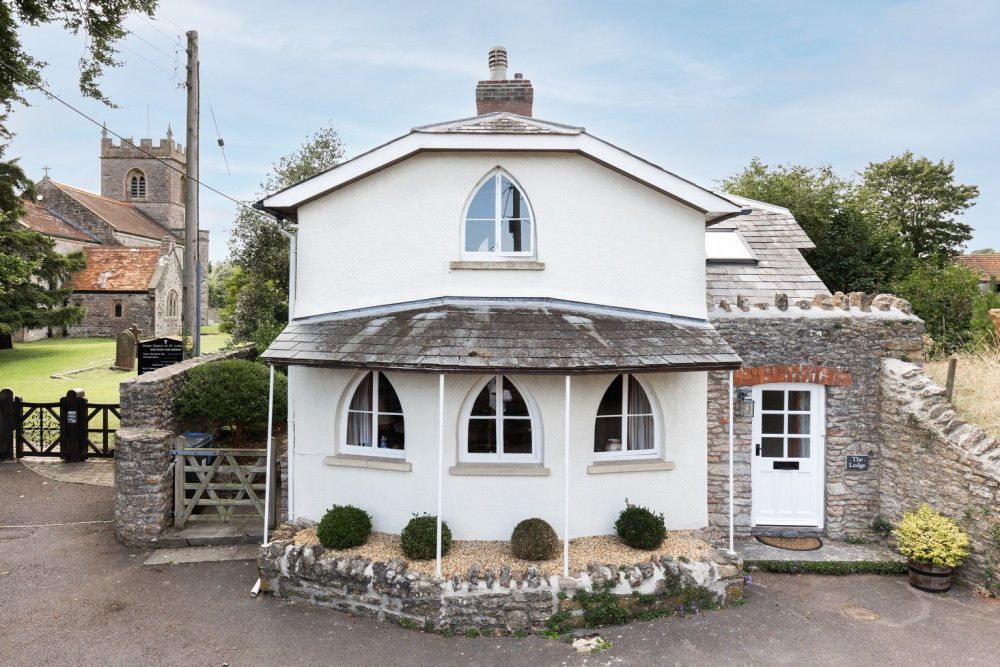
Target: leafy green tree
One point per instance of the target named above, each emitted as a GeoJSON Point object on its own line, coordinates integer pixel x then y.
{"type": "Point", "coordinates": [218, 274]}
{"type": "Point", "coordinates": [984, 332]}
{"type": "Point", "coordinates": [983, 251]}
{"type": "Point", "coordinates": [32, 273]}
{"type": "Point", "coordinates": [920, 199]}
{"type": "Point", "coordinates": [944, 298]}
{"type": "Point", "coordinates": [257, 294]}
{"type": "Point", "coordinates": [852, 253]}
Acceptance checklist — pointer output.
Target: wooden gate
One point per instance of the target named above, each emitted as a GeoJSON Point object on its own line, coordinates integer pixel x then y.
{"type": "Point", "coordinates": [67, 428]}
{"type": "Point", "coordinates": [221, 485]}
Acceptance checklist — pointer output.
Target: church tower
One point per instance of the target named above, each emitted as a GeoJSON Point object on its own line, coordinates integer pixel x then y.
{"type": "Point", "coordinates": [149, 177]}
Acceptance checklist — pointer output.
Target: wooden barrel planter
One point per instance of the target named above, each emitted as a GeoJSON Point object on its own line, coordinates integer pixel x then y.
{"type": "Point", "coordinates": [929, 577]}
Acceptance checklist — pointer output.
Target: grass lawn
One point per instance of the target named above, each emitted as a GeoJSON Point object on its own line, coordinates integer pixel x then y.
{"type": "Point", "coordinates": [28, 368]}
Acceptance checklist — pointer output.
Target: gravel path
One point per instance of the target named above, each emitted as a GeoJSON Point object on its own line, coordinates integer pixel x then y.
{"type": "Point", "coordinates": [607, 549]}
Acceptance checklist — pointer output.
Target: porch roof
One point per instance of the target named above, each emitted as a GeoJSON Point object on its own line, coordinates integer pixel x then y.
{"type": "Point", "coordinates": [522, 335]}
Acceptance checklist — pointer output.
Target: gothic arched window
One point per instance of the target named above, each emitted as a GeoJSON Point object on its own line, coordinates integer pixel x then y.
{"type": "Point", "coordinates": [498, 220]}
{"type": "Point", "coordinates": [136, 185]}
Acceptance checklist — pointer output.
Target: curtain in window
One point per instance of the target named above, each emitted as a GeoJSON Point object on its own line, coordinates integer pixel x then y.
{"type": "Point", "coordinates": [359, 416]}
{"type": "Point", "coordinates": [640, 417]}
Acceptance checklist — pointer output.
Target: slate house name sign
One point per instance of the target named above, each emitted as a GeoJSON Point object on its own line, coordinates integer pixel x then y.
{"type": "Point", "coordinates": [857, 463]}
{"type": "Point", "coordinates": [158, 353]}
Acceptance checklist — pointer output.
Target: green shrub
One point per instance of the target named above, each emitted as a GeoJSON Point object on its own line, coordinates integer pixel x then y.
{"type": "Point", "coordinates": [231, 396]}
{"type": "Point", "coordinates": [344, 526]}
{"type": "Point", "coordinates": [639, 528]}
{"type": "Point", "coordinates": [419, 539]}
{"type": "Point", "coordinates": [927, 536]}
{"type": "Point", "coordinates": [534, 539]}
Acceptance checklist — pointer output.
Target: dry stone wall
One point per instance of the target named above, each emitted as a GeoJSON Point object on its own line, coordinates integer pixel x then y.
{"type": "Point", "coordinates": [839, 341]}
{"type": "Point", "coordinates": [933, 456]}
{"type": "Point", "coordinates": [503, 601]}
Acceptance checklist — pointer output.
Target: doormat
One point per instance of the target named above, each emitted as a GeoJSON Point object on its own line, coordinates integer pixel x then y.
{"type": "Point", "coordinates": [792, 543]}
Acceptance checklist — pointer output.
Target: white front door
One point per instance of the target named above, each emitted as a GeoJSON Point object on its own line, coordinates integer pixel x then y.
{"type": "Point", "coordinates": [786, 469]}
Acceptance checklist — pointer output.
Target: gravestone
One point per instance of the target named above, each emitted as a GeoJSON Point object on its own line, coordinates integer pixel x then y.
{"type": "Point", "coordinates": [158, 353]}
{"type": "Point", "coordinates": [126, 351]}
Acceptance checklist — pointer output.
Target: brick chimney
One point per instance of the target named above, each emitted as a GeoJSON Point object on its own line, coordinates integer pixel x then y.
{"type": "Point", "coordinates": [499, 93]}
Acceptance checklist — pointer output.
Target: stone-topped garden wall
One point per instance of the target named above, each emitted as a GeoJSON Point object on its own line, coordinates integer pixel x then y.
{"type": "Point", "coordinates": [837, 341]}
{"type": "Point", "coordinates": [932, 456]}
{"type": "Point", "coordinates": [503, 601]}
{"type": "Point", "coordinates": [144, 492]}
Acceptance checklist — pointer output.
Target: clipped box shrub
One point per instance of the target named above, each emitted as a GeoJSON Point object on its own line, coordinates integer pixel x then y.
{"type": "Point", "coordinates": [534, 539]}
{"type": "Point", "coordinates": [640, 528]}
{"type": "Point", "coordinates": [230, 395]}
{"type": "Point", "coordinates": [344, 526]}
{"type": "Point", "coordinates": [419, 538]}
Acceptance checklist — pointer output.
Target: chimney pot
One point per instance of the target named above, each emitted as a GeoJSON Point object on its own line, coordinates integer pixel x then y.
{"type": "Point", "coordinates": [499, 93]}
{"type": "Point", "coordinates": [498, 63]}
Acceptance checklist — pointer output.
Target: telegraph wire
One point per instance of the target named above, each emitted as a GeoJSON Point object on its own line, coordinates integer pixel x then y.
{"type": "Point", "coordinates": [173, 40]}
{"type": "Point", "coordinates": [130, 143]}
{"type": "Point", "coordinates": [173, 57]}
{"type": "Point", "coordinates": [156, 65]}
{"type": "Point", "coordinates": [222, 146]}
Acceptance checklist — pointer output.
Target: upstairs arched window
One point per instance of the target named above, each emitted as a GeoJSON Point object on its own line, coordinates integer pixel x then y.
{"type": "Point", "coordinates": [137, 185]}
{"type": "Point", "coordinates": [498, 221]}
{"type": "Point", "coordinates": [625, 427]}
{"type": "Point", "coordinates": [374, 424]}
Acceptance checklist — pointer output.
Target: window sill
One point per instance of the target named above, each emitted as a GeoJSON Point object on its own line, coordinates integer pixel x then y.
{"type": "Point", "coordinates": [496, 266]}
{"type": "Point", "coordinates": [500, 469]}
{"type": "Point", "coordinates": [602, 467]}
{"type": "Point", "coordinates": [373, 462]}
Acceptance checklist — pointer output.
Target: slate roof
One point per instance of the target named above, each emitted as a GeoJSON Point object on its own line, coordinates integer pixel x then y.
{"type": "Point", "coordinates": [775, 239]}
{"type": "Point", "coordinates": [117, 269]}
{"type": "Point", "coordinates": [38, 218]}
{"type": "Point", "coordinates": [123, 216]}
{"type": "Point", "coordinates": [986, 265]}
{"type": "Point", "coordinates": [477, 335]}
{"type": "Point", "coordinates": [500, 122]}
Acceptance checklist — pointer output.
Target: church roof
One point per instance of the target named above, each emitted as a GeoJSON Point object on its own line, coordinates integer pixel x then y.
{"type": "Point", "coordinates": [117, 269]}
{"type": "Point", "coordinates": [123, 216]}
{"type": "Point", "coordinates": [523, 335]}
{"type": "Point", "coordinates": [39, 219]}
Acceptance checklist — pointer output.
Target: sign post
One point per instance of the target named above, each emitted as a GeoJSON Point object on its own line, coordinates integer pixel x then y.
{"type": "Point", "coordinates": [158, 353]}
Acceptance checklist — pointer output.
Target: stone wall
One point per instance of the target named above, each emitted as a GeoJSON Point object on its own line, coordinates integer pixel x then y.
{"type": "Point", "coordinates": [841, 346]}
{"type": "Point", "coordinates": [144, 492]}
{"type": "Point", "coordinates": [503, 601]}
{"type": "Point", "coordinates": [932, 456]}
{"type": "Point", "coordinates": [100, 322]}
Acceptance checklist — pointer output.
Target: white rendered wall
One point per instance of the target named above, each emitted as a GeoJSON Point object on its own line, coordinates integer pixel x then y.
{"type": "Point", "coordinates": [603, 238]}
{"type": "Point", "coordinates": [488, 507]}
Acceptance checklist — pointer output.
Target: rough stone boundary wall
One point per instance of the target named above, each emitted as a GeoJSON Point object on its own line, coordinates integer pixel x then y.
{"type": "Point", "coordinates": [504, 601]}
{"type": "Point", "coordinates": [932, 456]}
{"type": "Point", "coordinates": [849, 341]}
{"type": "Point", "coordinates": [144, 492]}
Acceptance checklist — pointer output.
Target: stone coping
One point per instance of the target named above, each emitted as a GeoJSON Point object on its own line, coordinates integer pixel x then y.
{"type": "Point", "coordinates": [505, 601]}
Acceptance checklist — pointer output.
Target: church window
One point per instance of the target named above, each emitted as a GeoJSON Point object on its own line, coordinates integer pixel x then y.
{"type": "Point", "coordinates": [118, 308]}
{"type": "Point", "coordinates": [137, 185]}
{"type": "Point", "coordinates": [498, 220]}
{"type": "Point", "coordinates": [172, 304]}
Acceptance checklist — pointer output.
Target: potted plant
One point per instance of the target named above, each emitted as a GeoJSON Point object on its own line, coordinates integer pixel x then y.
{"type": "Point", "coordinates": [934, 545]}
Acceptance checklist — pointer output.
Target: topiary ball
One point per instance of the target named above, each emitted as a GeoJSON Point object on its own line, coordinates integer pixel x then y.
{"type": "Point", "coordinates": [640, 528]}
{"type": "Point", "coordinates": [344, 526]}
{"type": "Point", "coordinates": [534, 539]}
{"type": "Point", "coordinates": [419, 539]}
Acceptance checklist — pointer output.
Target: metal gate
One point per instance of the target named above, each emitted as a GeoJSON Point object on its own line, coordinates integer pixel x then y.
{"type": "Point", "coordinates": [71, 428]}
{"type": "Point", "coordinates": [221, 485]}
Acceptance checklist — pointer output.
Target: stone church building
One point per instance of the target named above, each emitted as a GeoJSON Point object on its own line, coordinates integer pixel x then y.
{"type": "Point", "coordinates": [132, 233]}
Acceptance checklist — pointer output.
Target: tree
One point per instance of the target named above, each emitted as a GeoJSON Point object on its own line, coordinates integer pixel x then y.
{"type": "Point", "coordinates": [32, 273]}
{"type": "Point", "coordinates": [920, 199]}
{"type": "Point", "coordinates": [852, 254]}
{"type": "Point", "coordinates": [983, 251]}
{"type": "Point", "coordinates": [944, 298]}
{"type": "Point", "coordinates": [257, 292]}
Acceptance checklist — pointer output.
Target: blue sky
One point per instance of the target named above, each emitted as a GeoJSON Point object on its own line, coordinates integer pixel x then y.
{"type": "Point", "coordinates": [698, 88]}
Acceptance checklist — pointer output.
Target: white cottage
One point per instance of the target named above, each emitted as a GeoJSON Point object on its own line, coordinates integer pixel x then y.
{"type": "Point", "coordinates": [502, 317]}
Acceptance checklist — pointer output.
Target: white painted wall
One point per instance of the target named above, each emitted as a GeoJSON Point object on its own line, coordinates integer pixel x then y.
{"type": "Point", "coordinates": [603, 237]}
{"type": "Point", "coordinates": [489, 507]}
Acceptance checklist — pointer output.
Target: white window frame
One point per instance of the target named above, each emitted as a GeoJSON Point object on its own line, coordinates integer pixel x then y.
{"type": "Point", "coordinates": [464, 456]}
{"type": "Point", "coordinates": [374, 450]}
{"type": "Point", "coordinates": [656, 451]}
{"type": "Point", "coordinates": [497, 254]}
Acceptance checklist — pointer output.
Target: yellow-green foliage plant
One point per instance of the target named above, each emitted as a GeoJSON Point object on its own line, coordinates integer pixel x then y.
{"type": "Point", "coordinates": [928, 537]}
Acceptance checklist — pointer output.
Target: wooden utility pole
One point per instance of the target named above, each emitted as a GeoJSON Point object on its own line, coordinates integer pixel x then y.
{"type": "Point", "coordinates": [191, 326]}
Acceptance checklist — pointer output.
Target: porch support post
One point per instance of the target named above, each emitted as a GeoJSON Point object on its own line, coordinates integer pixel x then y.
{"type": "Point", "coordinates": [270, 457]}
{"type": "Point", "coordinates": [437, 570]}
{"type": "Point", "coordinates": [566, 486]}
{"type": "Point", "coordinates": [731, 514]}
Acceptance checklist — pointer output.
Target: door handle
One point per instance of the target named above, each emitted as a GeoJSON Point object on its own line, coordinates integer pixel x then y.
{"type": "Point", "coordinates": [758, 450]}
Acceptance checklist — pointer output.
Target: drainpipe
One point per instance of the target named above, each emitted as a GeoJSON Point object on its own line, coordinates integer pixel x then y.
{"type": "Point", "coordinates": [731, 550]}
{"type": "Point", "coordinates": [566, 486]}
{"type": "Point", "coordinates": [267, 472]}
{"type": "Point", "coordinates": [288, 229]}
{"type": "Point", "coordinates": [437, 570]}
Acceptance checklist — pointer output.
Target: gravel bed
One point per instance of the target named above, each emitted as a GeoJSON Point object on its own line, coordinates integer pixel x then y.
{"type": "Point", "coordinates": [606, 549]}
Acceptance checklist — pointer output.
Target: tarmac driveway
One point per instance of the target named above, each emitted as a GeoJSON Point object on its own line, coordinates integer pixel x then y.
{"type": "Point", "coordinates": [71, 594]}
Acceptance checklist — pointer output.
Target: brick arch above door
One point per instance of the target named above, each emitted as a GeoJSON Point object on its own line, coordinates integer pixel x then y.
{"type": "Point", "coordinates": [828, 375]}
